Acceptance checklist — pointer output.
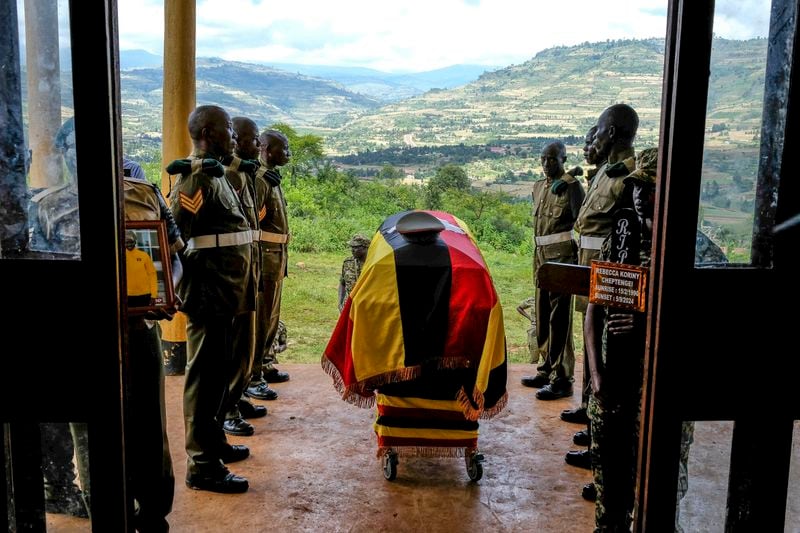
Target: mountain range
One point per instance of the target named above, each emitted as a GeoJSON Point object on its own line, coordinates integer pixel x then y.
{"type": "Point", "coordinates": [559, 92]}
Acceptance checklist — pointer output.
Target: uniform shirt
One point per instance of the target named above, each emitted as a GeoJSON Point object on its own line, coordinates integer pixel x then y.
{"type": "Point", "coordinates": [605, 195]}
{"type": "Point", "coordinates": [219, 280]}
{"type": "Point", "coordinates": [272, 218]}
{"type": "Point", "coordinates": [556, 214]}
{"type": "Point", "coordinates": [351, 269]}
{"type": "Point", "coordinates": [244, 185]}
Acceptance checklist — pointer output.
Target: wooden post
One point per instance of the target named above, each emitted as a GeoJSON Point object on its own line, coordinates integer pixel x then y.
{"type": "Point", "coordinates": [179, 102]}
{"type": "Point", "coordinates": [44, 91]}
{"type": "Point", "coordinates": [179, 82]}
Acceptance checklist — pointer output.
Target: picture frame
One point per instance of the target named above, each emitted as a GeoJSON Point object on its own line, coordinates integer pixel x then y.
{"type": "Point", "coordinates": [145, 293]}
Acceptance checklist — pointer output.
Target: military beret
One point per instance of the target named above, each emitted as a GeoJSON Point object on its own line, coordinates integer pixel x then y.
{"type": "Point", "coordinates": [646, 165]}
{"type": "Point", "coordinates": [359, 240]}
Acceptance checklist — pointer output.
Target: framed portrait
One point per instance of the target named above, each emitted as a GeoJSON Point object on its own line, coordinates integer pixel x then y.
{"type": "Point", "coordinates": [148, 266]}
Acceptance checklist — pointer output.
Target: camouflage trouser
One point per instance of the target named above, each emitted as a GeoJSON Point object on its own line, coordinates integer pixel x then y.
{"type": "Point", "coordinates": [687, 437]}
{"type": "Point", "coordinates": [615, 435]}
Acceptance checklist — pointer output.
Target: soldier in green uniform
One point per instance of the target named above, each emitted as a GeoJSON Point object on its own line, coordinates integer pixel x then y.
{"type": "Point", "coordinates": [590, 154]}
{"type": "Point", "coordinates": [616, 373]}
{"type": "Point", "coordinates": [578, 415]}
{"type": "Point", "coordinates": [274, 238]}
{"type": "Point", "coordinates": [351, 267]}
{"type": "Point", "coordinates": [218, 291]}
{"type": "Point", "coordinates": [556, 200]}
{"type": "Point", "coordinates": [241, 175]}
{"type": "Point", "coordinates": [613, 146]}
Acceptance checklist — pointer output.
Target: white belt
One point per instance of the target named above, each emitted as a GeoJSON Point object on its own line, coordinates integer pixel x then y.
{"type": "Point", "coordinates": [592, 243]}
{"type": "Point", "coordinates": [554, 238]}
{"type": "Point", "coordinates": [266, 236]}
{"type": "Point", "coordinates": [219, 240]}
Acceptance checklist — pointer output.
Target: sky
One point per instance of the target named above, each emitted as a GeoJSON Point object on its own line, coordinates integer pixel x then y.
{"type": "Point", "coordinates": [415, 35]}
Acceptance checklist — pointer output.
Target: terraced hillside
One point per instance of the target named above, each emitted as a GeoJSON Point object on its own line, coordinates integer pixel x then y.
{"type": "Point", "coordinates": [557, 93]}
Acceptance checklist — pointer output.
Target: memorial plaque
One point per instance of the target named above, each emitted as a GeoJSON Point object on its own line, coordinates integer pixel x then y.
{"type": "Point", "coordinates": [618, 285]}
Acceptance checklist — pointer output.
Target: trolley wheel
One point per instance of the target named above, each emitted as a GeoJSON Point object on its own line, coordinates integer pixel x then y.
{"type": "Point", "coordinates": [474, 466]}
{"type": "Point", "coordinates": [390, 465]}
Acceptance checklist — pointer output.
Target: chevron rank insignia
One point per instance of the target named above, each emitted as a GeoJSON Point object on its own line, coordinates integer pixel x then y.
{"type": "Point", "coordinates": [192, 203]}
{"type": "Point", "coordinates": [262, 213]}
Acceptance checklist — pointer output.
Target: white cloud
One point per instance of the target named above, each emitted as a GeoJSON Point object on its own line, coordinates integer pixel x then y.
{"type": "Point", "coordinates": [414, 34]}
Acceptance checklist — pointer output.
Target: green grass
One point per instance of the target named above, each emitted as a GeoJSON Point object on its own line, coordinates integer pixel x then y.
{"type": "Point", "coordinates": [309, 302]}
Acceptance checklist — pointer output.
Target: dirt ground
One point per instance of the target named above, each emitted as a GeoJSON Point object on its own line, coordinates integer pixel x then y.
{"type": "Point", "coordinates": [313, 467]}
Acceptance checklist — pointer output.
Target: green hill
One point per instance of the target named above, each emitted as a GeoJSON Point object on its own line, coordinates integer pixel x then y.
{"type": "Point", "coordinates": [557, 93]}
{"type": "Point", "coordinates": [265, 94]}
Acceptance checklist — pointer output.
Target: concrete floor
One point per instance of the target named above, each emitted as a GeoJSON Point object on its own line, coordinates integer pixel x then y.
{"type": "Point", "coordinates": [313, 468]}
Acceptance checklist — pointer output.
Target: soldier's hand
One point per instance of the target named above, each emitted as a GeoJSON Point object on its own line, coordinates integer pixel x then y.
{"type": "Point", "coordinates": [575, 171]}
{"type": "Point", "coordinates": [558, 186]}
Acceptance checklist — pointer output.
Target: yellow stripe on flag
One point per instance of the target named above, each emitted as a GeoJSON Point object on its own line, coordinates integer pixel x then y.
{"type": "Point", "coordinates": [375, 313]}
{"type": "Point", "coordinates": [418, 403]}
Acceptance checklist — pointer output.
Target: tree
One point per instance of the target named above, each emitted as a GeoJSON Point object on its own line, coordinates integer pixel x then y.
{"type": "Point", "coordinates": [389, 172]}
{"type": "Point", "coordinates": [447, 177]}
{"type": "Point", "coordinates": [307, 151]}
{"type": "Point", "coordinates": [450, 177]}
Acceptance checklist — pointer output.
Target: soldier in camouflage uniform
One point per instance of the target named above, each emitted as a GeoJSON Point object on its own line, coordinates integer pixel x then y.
{"type": "Point", "coordinates": [218, 291]}
{"type": "Point", "coordinates": [351, 267]}
{"type": "Point", "coordinates": [556, 200]}
{"type": "Point", "coordinates": [616, 376]}
{"type": "Point", "coordinates": [525, 308]}
{"type": "Point", "coordinates": [53, 212]}
{"type": "Point", "coordinates": [281, 339]}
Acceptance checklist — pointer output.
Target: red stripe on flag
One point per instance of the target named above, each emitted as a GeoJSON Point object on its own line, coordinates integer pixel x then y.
{"type": "Point", "coordinates": [468, 317]}
{"type": "Point", "coordinates": [414, 412]}
{"type": "Point", "coordinates": [393, 442]}
{"type": "Point", "coordinates": [339, 349]}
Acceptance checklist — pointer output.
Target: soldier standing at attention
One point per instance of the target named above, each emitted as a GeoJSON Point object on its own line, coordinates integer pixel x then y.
{"type": "Point", "coordinates": [351, 267]}
{"type": "Point", "coordinates": [218, 293]}
{"type": "Point", "coordinates": [578, 415]}
{"type": "Point", "coordinates": [613, 144]}
{"type": "Point", "coordinates": [241, 175]}
{"type": "Point", "coordinates": [615, 342]}
{"type": "Point", "coordinates": [274, 237]}
{"type": "Point", "coordinates": [556, 200]}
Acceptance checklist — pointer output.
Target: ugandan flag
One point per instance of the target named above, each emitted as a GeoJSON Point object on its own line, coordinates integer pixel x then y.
{"type": "Point", "coordinates": [424, 316]}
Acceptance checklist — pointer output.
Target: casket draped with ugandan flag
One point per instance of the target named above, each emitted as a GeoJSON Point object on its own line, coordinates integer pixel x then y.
{"type": "Point", "coordinates": [421, 334]}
